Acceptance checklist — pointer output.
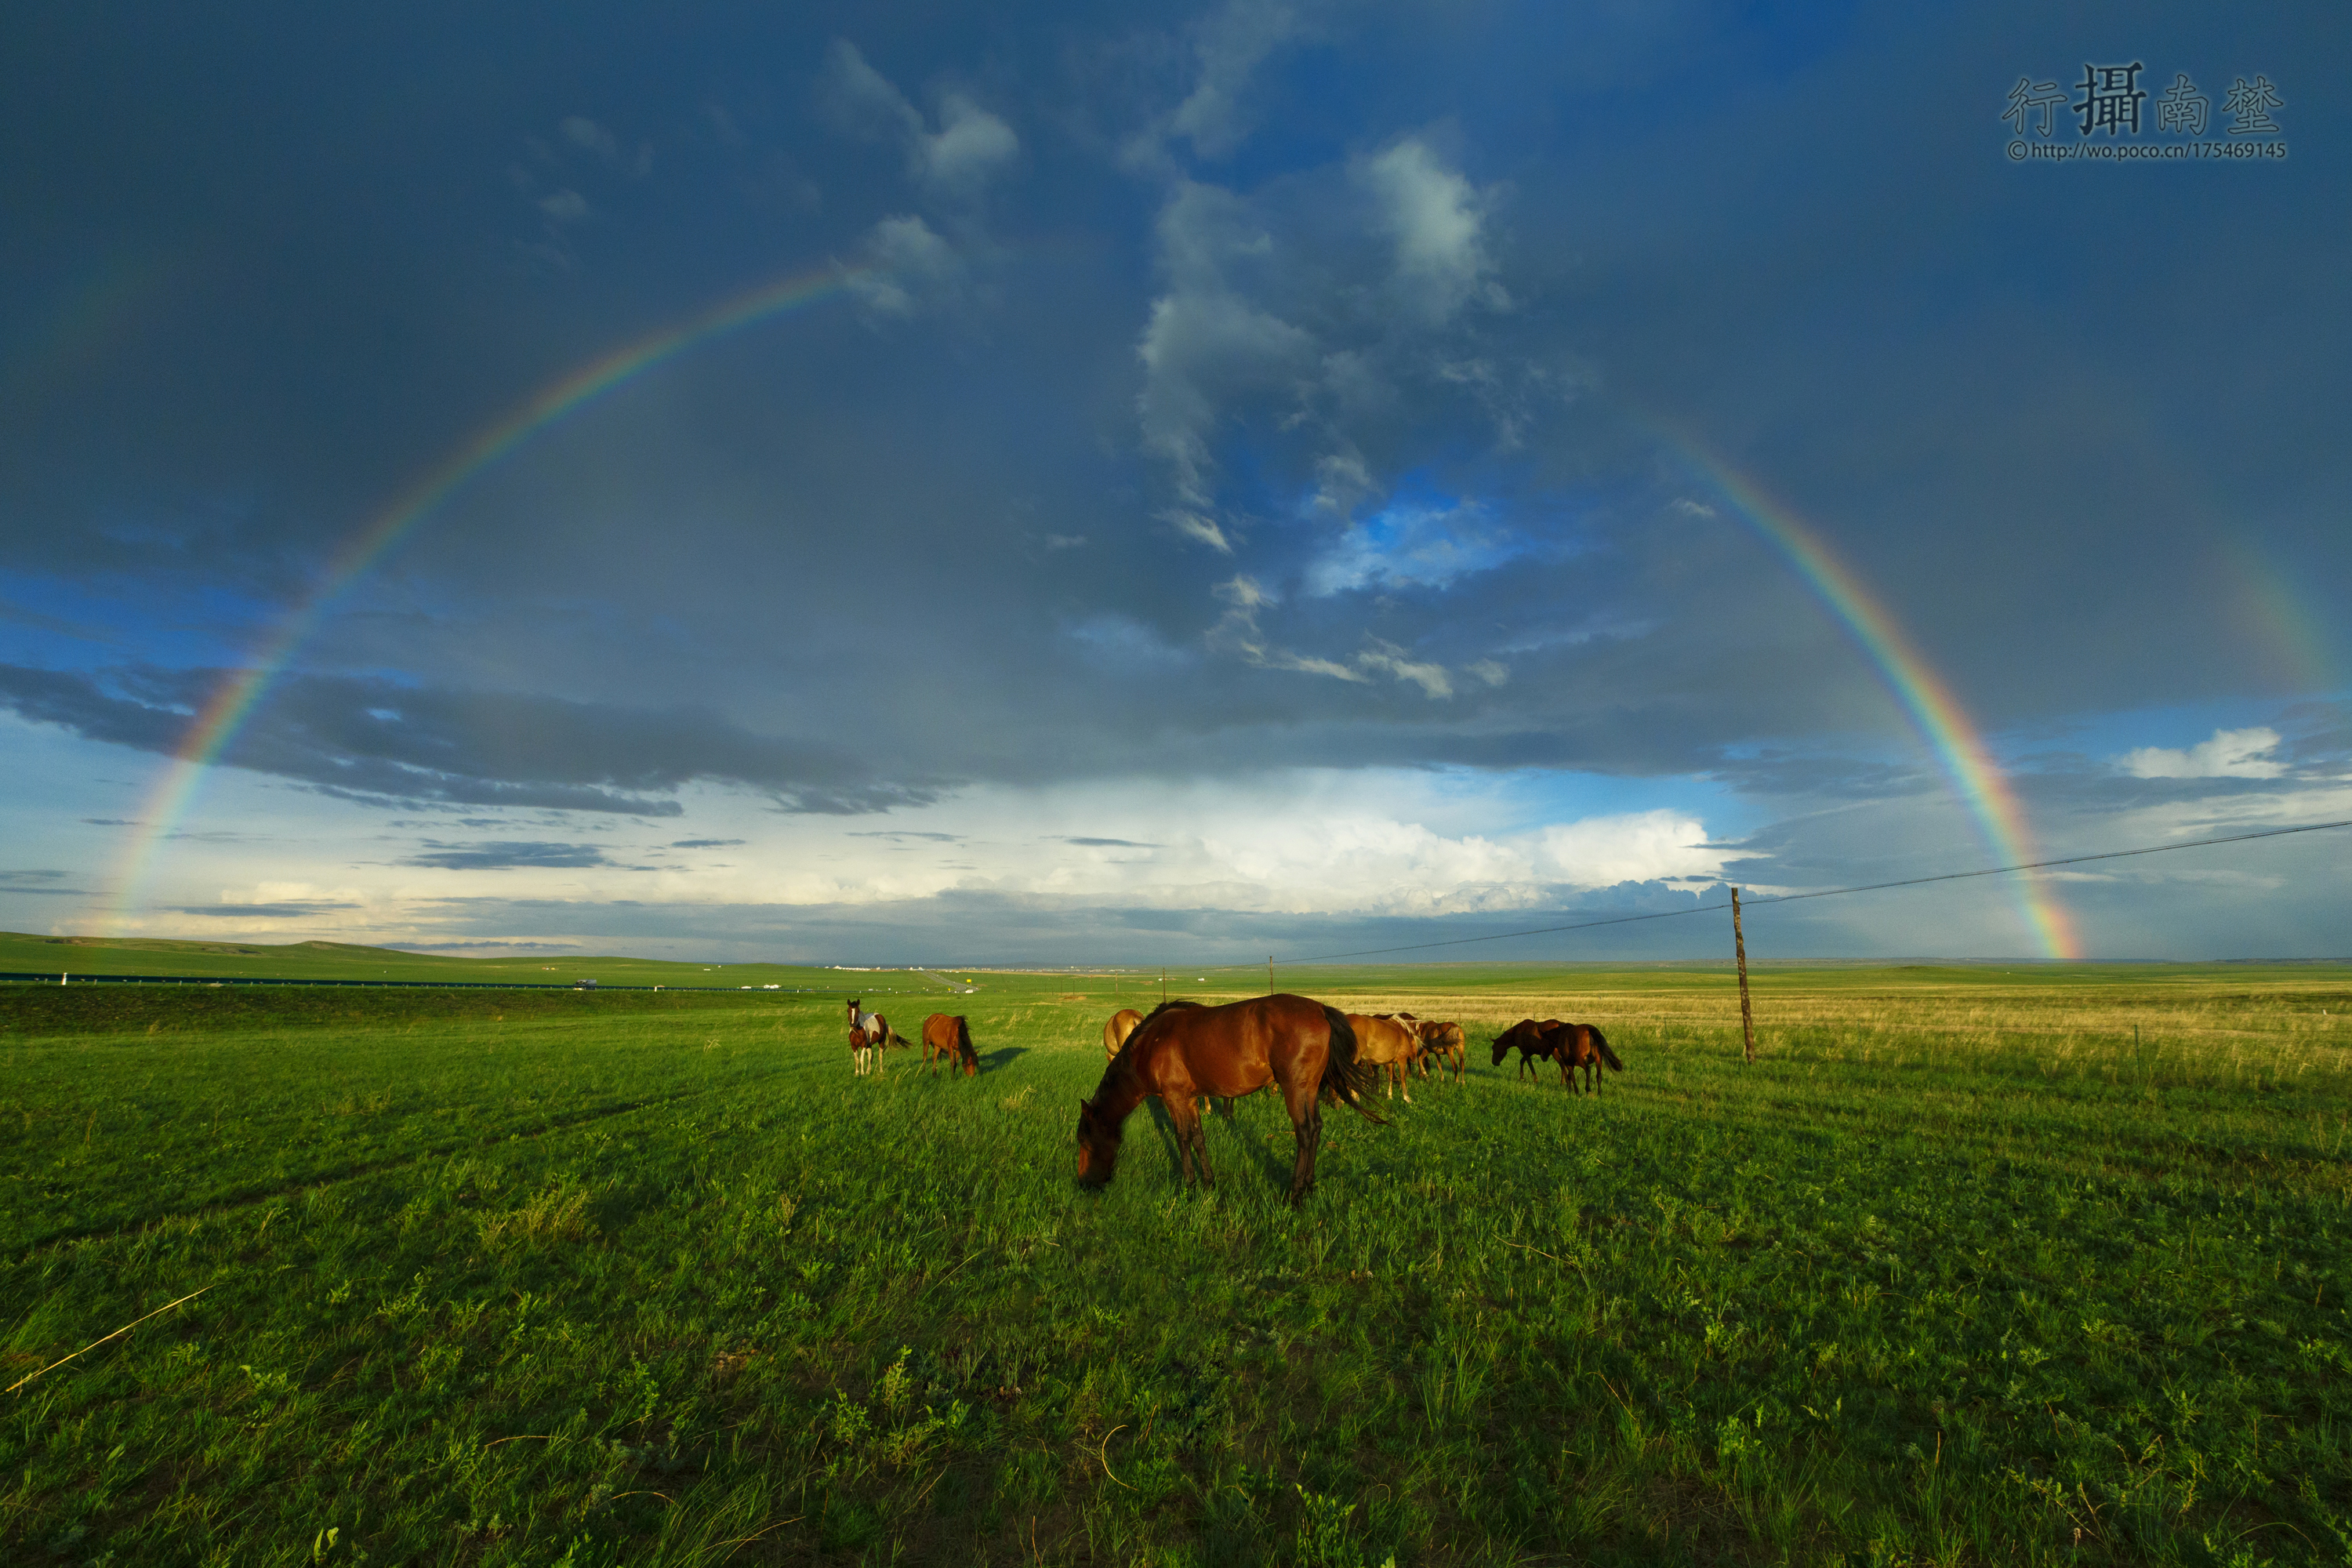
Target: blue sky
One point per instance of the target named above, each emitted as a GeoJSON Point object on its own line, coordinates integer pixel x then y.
{"type": "Point", "coordinates": [1238, 491]}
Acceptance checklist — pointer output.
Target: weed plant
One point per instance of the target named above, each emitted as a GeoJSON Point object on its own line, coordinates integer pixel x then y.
{"type": "Point", "coordinates": [1959, 1271]}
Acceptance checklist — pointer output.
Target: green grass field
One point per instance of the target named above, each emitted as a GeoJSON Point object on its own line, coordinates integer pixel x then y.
{"type": "Point", "coordinates": [2048, 1265]}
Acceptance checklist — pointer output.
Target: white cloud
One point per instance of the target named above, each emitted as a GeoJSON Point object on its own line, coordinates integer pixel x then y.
{"type": "Point", "coordinates": [860, 99]}
{"type": "Point", "coordinates": [972, 146]}
{"type": "Point", "coordinates": [1194, 525]}
{"type": "Point", "coordinates": [1230, 46]}
{"type": "Point", "coordinates": [1437, 221]}
{"type": "Point", "coordinates": [952, 166]}
{"type": "Point", "coordinates": [908, 266]}
{"type": "Point", "coordinates": [1237, 633]}
{"type": "Point", "coordinates": [1386, 656]}
{"type": "Point", "coordinates": [1206, 343]}
{"type": "Point", "coordinates": [2231, 754]}
{"type": "Point", "coordinates": [1411, 545]}
{"type": "Point", "coordinates": [1633, 846]}
{"type": "Point", "coordinates": [583, 131]}
{"type": "Point", "coordinates": [566, 205]}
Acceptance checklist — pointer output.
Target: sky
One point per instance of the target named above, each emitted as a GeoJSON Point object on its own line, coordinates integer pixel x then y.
{"type": "Point", "coordinates": [898, 484]}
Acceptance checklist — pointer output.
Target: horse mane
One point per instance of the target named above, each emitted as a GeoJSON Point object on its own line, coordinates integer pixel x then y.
{"type": "Point", "coordinates": [1167, 1006]}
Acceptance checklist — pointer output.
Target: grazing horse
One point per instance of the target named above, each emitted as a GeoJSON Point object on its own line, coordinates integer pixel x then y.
{"type": "Point", "coordinates": [1183, 1050]}
{"type": "Point", "coordinates": [861, 1053]}
{"type": "Point", "coordinates": [1532, 1040]}
{"type": "Point", "coordinates": [1575, 1046]}
{"type": "Point", "coordinates": [1384, 1043]}
{"type": "Point", "coordinates": [1447, 1044]}
{"type": "Point", "coordinates": [1115, 1033]}
{"type": "Point", "coordinates": [947, 1038]}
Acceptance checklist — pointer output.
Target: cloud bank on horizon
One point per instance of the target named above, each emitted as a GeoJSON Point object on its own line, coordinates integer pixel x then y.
{"type": "Point", "coordinates": [1248, 486]}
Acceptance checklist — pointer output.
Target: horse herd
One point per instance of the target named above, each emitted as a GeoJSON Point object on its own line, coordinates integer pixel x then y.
{"type": "Point", "coordinates": [1183, 1052]}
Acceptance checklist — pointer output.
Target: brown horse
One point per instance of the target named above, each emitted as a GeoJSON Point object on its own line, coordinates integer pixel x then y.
{"type": "Point", "coordinates": [1575, 1046]}
{"type": "Point", "coordinates": [1384, 1043]}
{"type": "Point", "coordinates": [1115, 1033]}
{"type": "Point", "coordinates": [1532, 1040]}
{"type": "Point", "coordinates": [947, 1038]}
{"type": "Point", "coordinates": [1183, 1050]}
{"type": "Point", "coordinates": [861, 1053]}
{"type": "Point", "coordinates": [1445, 1045]}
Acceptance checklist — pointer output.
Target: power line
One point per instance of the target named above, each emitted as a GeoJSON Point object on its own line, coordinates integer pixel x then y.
{"type": "Point", "coordinates": [1823, 893]}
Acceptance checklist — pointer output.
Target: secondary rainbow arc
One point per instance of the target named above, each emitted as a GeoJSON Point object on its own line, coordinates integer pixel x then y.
{"type": "Point", "coordinates": [215, 725]}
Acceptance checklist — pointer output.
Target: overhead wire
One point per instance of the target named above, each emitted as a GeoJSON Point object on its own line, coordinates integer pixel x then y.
{"type": "Point", "coordinates": [1752, 903]}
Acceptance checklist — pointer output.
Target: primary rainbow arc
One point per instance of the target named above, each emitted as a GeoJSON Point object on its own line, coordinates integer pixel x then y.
{"type": "Point", "coordinates": [1925, 697]}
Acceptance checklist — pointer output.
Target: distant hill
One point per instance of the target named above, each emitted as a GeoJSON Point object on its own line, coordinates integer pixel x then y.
{"type": "Point", "coordinates": [26, 954]}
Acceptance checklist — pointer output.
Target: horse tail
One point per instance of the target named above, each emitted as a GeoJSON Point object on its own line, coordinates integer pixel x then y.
{"type": "Point", "coordinates": [1346, 1080]}
{"type": "Point", "coordinates": [1607, 1055]}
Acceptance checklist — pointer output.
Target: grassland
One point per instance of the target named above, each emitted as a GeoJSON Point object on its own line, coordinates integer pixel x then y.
{"type": "Point", "coordinates": [2041, 1267]}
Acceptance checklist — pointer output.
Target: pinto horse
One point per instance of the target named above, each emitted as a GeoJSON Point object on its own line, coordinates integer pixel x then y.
{"type": "Point", "coordinates": [879, 1032]}
{"type": "Point", "coordinates": [1575, 1046]}
{"type": "Point", "coordinates": [1384, 1042]}
{"type": "Point", "coordinates": [1532, 1040]}
{"type": "Point", "coordinates": [947, 1038]}
{"type": "Point", "coordinates": [1115, 1033]}
{"type": "Point", "coordinates": [861, 1053]}
{"type": "Point", "coordinates": [1182, 1049]}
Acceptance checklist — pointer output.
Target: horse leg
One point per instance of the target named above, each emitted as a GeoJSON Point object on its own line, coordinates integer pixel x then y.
{"type": "Point", "coordinates": [1307, 1126]}
{"type": "Point", "coordinates": [1186, 1117]}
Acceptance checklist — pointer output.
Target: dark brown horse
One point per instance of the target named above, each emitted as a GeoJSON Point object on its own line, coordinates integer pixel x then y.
{"type": "Point", "coordinates": [1183, 1050]}
{"type": "Point", "coordinates": [1575, 1046]}
{"type": "Point", "coordinates": [947, 1038]}
{"type": "Point", "coordinates": [1532, 1040]}
{"type": "Point", "coordinates": [1115, 1033]}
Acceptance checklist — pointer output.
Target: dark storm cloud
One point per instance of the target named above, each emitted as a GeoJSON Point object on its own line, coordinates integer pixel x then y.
{"type": "Point", "coordinates": [471, 946]}
{"type": "Point", "coordinates": [373, 738]}
{"type": "Point", "coordinates": [290, 909]}
{"type": "Point", "coordinates": [1361, 357]}
{"type": "Point", "coordinates": [506, 856]}
{"type": "Point", "coordinates": [704, 843]}
{"type": "Point", "coordinates": [35, 882]}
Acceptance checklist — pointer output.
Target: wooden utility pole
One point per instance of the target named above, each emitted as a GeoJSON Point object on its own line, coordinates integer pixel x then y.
{"type": "Point", "coordinates": [1164, 987]}
{"type": "Point", "coordinates": [1739, 949]}
{"type": "Point", "coordinates": [1269, 974]}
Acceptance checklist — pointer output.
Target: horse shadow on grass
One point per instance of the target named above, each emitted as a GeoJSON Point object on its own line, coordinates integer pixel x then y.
{"type": "Point", "coordinates": [1002, 1056]}
{"type": "Point", "coordinates": [1240, 1143]}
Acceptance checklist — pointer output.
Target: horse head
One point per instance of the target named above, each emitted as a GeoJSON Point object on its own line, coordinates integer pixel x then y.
{"type": "Point", "coordinates": [1099, 1140]}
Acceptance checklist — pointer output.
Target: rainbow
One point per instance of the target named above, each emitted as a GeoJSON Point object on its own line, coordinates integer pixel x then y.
{"type": "Point", "coordinates": [216, 724]}
{"type": "Point", "coordinates": [1922, 694]}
